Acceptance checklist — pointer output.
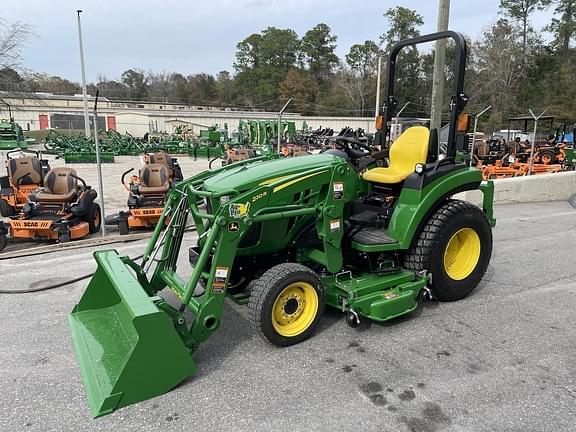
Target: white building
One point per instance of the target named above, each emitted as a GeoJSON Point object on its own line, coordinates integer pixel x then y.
{"type": "Point", "coordinates": [37, 111]}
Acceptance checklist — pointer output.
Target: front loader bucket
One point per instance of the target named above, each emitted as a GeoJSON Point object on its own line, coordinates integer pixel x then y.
{"type": "Point", "coordinates": [127, 348]}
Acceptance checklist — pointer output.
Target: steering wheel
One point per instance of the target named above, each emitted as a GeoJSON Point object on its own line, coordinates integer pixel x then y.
{"type": "Point", "coordinates": [347, 144]}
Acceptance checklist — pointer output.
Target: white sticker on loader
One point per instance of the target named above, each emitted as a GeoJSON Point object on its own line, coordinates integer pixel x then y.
{"type": "Point", "coordinates": [338, 188]}
{"type": "Point", "coordinates": [219, 283]}
{"type": "Point", "coordinates": [335, 225]}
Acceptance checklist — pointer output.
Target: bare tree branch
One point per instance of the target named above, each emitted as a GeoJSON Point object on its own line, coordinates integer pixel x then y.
{"type": "Point", "coordinates": [12, 39]}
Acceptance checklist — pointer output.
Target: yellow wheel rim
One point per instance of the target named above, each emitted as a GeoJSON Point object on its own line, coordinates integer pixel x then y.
{"type": "Point", "coordinates": [462, 254]}
{"type": "Point", "coordinates": [295, 309]}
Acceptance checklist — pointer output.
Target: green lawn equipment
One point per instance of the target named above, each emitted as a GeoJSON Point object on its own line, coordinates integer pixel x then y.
{"type": "Point", "coordinates": [11, 135]}
{"type": "Point", "coordinates": [288, 236]}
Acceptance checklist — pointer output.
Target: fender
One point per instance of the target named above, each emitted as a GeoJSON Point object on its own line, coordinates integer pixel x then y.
{"type": "Point", "coordinates": [415, 205]}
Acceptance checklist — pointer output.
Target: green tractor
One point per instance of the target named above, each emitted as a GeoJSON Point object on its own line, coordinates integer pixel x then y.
{"type": "Point", "coordinates": [11, 135]}
{"type": "Point", "coordinates": [288, 237]}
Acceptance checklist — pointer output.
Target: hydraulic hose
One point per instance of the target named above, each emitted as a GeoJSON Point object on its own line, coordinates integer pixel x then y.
{"type": "Point", "coordinates": [56, 285]}
{"type": "Point", "coordinates": [70, 281]}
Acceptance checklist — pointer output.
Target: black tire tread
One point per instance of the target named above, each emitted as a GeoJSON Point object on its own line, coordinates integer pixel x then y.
{"type": "Point", "coordinates": [260, 290]}
{"type": "Point", "coordinates": [5, 209]}
{"type": "Point", "coordinates": [91, 227]}
{"type": "Point", "coordinates": [418, 257]}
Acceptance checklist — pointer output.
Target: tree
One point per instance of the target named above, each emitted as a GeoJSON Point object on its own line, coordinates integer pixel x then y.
{"type": "Point", "coordinates": [160, 86]}
{"type": "Point", "coordinates": [318, 47]}
{"type": "Point", "coordinates": [300, 86]}
{"type": "Point", "coordinates": [12, 39]}
{"type": "Point", "coordinates": [563, 28]}
{"type": "Point", "coordinates": [363, 58]}
{"type": "Point", "coordinates": [363, 62]}
{"type": "Point", "coordinates": [56, 85]}
{"type": "Point", "coordinates": [225, 89]}
{"type": "Point", "coordinates": [137, 84]}
{"type": "Point", "coordinates": [498, 58]}
{"type": "Point", "coordinates": [10, 79]}
{"type": "Point", "coordinates": [202, 89]}
{"type": "Point", "coordinates": [404, 24]}
{"type": "Point", "coordinates": [262, 62]}
{"type": "Point", "coordinates": [111, 89]}
{"type": "Point", "coordinates": [521, 10]}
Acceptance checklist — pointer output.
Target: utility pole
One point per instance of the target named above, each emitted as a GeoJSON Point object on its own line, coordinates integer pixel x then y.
{"type": "Point", "coordinates": [536, 118]}
{"type": "Point", "coordinates": [99, 168]}
{"type": "Point", "coordinates": [377, 110]}
{"type": "Point", "coordinates": [280, 123]}
{"type": "Point", "coordinates": [474, 133]}
{"type": "Point", "coordinates": [394, 132]}
{"type": "Point", "coordinates": [439, 63]}
{"type": "Point", "coordinates": [84, 93]}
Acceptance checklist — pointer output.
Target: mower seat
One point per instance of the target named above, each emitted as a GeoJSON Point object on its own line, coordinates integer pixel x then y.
{"type": "Point", "coordinates": [59, 186]}
{"type": "Point", "coordinates": [24, 171]}
{"type": "Point", "coordinates": [409, 149]}
{"type": "Point", "coordinates": [163, 159]}
{"type": "Point", "coordinates": [154, 179]}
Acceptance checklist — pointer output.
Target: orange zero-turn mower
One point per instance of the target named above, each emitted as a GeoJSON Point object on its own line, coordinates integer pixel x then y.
{"type": "Point", "coordinates": [62, 210]}
{"type": "Point", "coordinates": [26, 170]}
{"type": "Point", "coordinates": [146, 198]}
{"type": "Point", "coordinates": [147, 192]}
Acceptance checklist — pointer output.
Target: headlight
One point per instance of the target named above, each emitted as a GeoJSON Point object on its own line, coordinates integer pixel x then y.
{"type": "Point", "coordinates": [419, 168]}
{"type": "Point", "coordinates": [224, 199]}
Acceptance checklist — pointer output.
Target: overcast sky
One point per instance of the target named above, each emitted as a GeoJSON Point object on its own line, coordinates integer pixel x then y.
{"type": "Point", "coordinates": [201, 36]}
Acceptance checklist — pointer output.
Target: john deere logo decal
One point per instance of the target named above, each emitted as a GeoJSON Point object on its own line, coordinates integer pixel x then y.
{"type": "Point", "coordinates": [238, 211]}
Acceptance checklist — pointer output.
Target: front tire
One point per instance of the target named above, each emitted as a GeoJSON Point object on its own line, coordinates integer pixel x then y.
{"type": "Point", "coordinates": [454, 246]}
{"type": "Point", "coordinates": [286, 304]}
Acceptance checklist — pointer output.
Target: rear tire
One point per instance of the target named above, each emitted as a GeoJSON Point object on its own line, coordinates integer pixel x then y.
{"type": "Point", "coordinates": [3, 241]}
{"type": "Point", "coordinates": [94, 218]}
{"type": "Point", "coordinates": [286, 304]}
{"type": "Point", "coordinates": [454, 246]}
{"type": "Point", "coordinates": [5, 209]}
{"type": "Point", "coordinates": [547, 157]}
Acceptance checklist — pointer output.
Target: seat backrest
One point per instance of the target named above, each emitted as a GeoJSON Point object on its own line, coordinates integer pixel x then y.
{"type": "Point", "coordinates": [409, 149]}
{"type": "Point", "coordinates": [60, 180]}
{"type": "Point", "coordinates": [164, 159]}
{"type": "Point", "coordinates": [154, 175]}
{"type": "Point", "coordinates": [25, 170]}
{"type": "Point", "coordinates": [161, 158]}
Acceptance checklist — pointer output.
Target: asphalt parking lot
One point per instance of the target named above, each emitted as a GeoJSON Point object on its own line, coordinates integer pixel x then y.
{"type": "Point", "coordinates": [500, 360]}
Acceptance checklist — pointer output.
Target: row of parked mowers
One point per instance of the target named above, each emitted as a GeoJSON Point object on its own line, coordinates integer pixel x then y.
{"type": "Point", "coordinates": [43, 203]}
{"type": "Point", "coordinates": [56, 204]}
{"type": "Point", "coordinates": [498, 160]}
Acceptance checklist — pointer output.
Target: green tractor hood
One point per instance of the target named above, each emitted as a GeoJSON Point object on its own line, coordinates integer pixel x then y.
{"type": "Point", "coordinates": [246, 177]}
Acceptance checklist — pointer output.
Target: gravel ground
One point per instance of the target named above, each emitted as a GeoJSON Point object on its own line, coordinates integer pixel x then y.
{"type": "Point", "coordinates": [500, 360]}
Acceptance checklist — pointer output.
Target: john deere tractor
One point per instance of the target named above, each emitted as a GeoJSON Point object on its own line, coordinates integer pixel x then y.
{"type": "Point", "coordinates": [368, 232]}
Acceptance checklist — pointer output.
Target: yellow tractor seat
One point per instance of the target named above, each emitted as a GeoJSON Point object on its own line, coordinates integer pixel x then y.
{"type": "Point", "coordinates": [409, 149]}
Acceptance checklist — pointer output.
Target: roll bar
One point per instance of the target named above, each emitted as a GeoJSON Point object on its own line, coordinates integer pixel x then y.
{"type": "Point", "coordinates": [458, 99]}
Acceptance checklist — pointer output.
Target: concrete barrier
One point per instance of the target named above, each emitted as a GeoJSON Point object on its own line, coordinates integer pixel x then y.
{"type": "Point", "coordinates": [541, 187]}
